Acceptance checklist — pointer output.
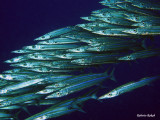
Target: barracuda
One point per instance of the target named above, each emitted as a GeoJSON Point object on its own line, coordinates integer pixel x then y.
{"type": "Point", "coordinates": [141, 54]}
{"type": "Point", "coordinates": [129, 87]}
{"type": "Point", "coordinates": [55, 33]}
{"type": "Point", "coordinates": [58, 41]}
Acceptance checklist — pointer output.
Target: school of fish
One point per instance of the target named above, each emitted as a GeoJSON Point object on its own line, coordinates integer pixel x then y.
{"type": "Point", "coordinates": [52, 70]}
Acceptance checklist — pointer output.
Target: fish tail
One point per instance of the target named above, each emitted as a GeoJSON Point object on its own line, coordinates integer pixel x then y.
{"type": "Point", "coordinates": [111, 74]}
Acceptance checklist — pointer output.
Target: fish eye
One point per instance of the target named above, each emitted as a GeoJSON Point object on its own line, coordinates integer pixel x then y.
{"type": "Point", "coordinates": [25, 64]}
{"type": "Point", "coordinates": [36, 56]}
{"type": "Point", "coordinates": [33, 46]}
{"type": "Point", "coordinates": [103, 31]}
{"type": "Point", "coordinates": [58, 93]}
{"type": "Point", "coordinates": [82, 60]}
{"type": "Point", "coordinates": [92, 28]}
{"type": "Point", "coordinates": [110, 94]}
{"type": "Point", "coordinates": [43, 37]}
{"type": "Point", "coordinates": [112, 33]}
{"type": "Point", "coordinates": [128, 57]}
{"type": "Point", "coordinates": [103, 14]}
{"type": "Point", "coordinates": [98, 48]}
{"type": "Point", "coordinates": [135, 30]}
{"type": "Point", "coordinates": [108, 18]}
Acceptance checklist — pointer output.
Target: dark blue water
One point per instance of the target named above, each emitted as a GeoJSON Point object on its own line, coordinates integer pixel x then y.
{"type": "Point", "coordinates": [23, 20]}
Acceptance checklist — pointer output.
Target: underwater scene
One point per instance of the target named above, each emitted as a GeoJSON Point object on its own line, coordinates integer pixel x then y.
{"type": "Point", "coordinates": [79, 59]}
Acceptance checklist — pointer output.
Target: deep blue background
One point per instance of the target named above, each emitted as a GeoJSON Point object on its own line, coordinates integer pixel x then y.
{"type": "Point", "coordinates": [23, 20]}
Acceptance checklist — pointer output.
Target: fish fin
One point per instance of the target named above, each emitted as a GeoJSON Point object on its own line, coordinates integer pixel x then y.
{"type": "Point", "coordinates": [16, 115]}
{"type": "Point", "coordinates": [26, 110]}
{"type": "Point", "coordinates": [78, 108]}
{"type": "Point", "coordinates": [144, 44]}
{"type": "Point", "coordinates": [74, 105]}
{"type": "Point", "coordinates": [81, 110]}
{"type": "Point", "coordinates": [112, 77]}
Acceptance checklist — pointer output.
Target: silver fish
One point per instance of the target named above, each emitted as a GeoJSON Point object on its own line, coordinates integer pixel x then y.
{"type": "Point", "coordinates": [58, 41]}
{"type": "Point", "coordinates": [128, 87]}
{"type": "Point", "coordinates": [153, 30]}
{"type": "Point", "coordinates": [55, 33]}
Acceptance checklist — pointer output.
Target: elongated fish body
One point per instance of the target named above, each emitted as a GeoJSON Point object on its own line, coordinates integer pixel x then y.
{"type": "Point", "coordinates": [4, 114]}
{"type": "Point", "coordinates": [113, 47]}
{"type": "Point", "coordinates": [102, 26]}
{"type": "Point", "coordinates": [75, 79]}
{"type": "Point", "coordinates": [146, 24]}
{"type": "Point", "coordinates": [119, 14]}
{"type": "Point", "coordinates": [58, 41]}
{"type": "Point", "coordinates": [117, 21]}
{"type": "Point", "coordinates": [19, 91]}
{"type": "Point", "coordinates": [91, 81]}
{"type": "Point", "coordinates": [67, 66]}
{"type": "Point", "coordinates": [105, 10]}
{"type": "Point", "coordinates": [12, 107]}
{"type": "Point", "coordinates": [4, 98]}
{"type": "Point", "coordinates": [114, 6]}
{"type": "Point", "coordinates": [56, 62]}
{"type": "Point", "coordinates": [129, 87]}
{"type": "Point", "coordinates": [50, 47]}
{"type": "Point", "coordinates": [146, 5]}
{"type": "Point", "coordinates": [74, 55]}
{"type": "Point", "coordinates": [47, 91]}
{"type": "Point", "coordinates": [55, 33]}
{"type": "Point", "coordinates": [90, 18]}
{"type": "Point", "coordinates": [17, 59]}
{"type": "Point", "coordinates": [17, 76]}
{"type": "Point", "coordinates": [46, 102]}
{"type": "Point", "coordinates": [154, 30]}
{"type": "Point", "coordinates": [94, 24]}
{"type": "Point", "coordinates": [30, 63]}
{"type": "Point", "coordinates": [112, 1]}
{"type": "Point", "coordinates": [5, 82]}
{"type": "Point", "coordinates": [39, 56]}
{"type": "Point", "coordinates": [19, 99]}
{"type": "Point", "coordinates": [99, 59]}
{"type": "Point", "coordinates": [143, 18]}
{"type": "Point", "coordinates": [93, 28]}
{"type": "Point", "coordinates": [112, 32]}
{"type": "Point", "coordinates": [23, 51]}
{"type": "Point", "coordinates": [48, 70]}
{"type": "Point", "coordinates": [130, 7]}
{"type": "Point", "coordinates": [49, 52]}
{"type": "Point", "coordinates": [79, 49]}
{"type": "Point", "coordinates": [19, 85]}
{"type": "Point", "coordinates": [81, 35]}
{"type": "Point", "coordinates": [141, 54]}
{"type": "Point", "coordinates": [58, 77]}
{"type": "Point", "coordinates": [107, 39]}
